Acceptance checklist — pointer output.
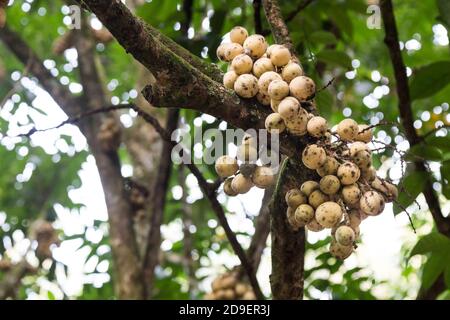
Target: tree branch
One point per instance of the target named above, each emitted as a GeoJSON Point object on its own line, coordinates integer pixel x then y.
{"type": "Point", "coordinates": [158, 202]}
{"type": "Point", "coordinates": [277, 24]}
{"type": "Point", "coordinates": [301, 6]}
{"type": "Point", "coordinates": [405, 109]}
{"type": "Point", "coordinates": [257, 16]}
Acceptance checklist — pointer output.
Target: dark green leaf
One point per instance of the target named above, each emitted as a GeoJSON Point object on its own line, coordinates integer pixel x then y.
{"type": "Point", "coordinates": [430, 79]}
{"type": "Point", "coordinates": [433, 242]}
{"type": "Point", "coordinates": [425, 152]}
{"type": "Point", "coordinates": [324, 37]}
{"type": "Point", "coordinates": [413, 184]}
{"type": "Point", "coordinates": [335, 57]}
{"type": "Point", "coordinates": [433, 268]}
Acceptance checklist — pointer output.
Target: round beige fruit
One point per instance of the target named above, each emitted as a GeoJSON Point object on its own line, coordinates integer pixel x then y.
{"type": "Point", "coordinates": [278, 89]}
{"type": "Point", "coordinates": [317, 126]}
{"type": "Point", "coordinates": [280, 56]}
{"type": "Point", "coordinates": [232, 50]}
{"type": "Point", "coordinates": [240, 289]}
{"type": "Point", "coordinates": [363, 159]}
{"type": "Point", "coordinates": [297, 126]}
{"type": "Point", "coordinates": [290, 71]}
{"type": "Point", "coordinates": [369, 174]}
{"type": "Point", "coordinates": [347, 129]}
{"type": "Point", "coordinates": [351, 194]}
{"type": "Point", "coordinates": [295, 197]}
{"type": "Point", "coordinates": [364, 133]}
{"type": "Point", "coordinates": [220, 52]}
{"type": "Point", "coordinates": [229, 79]}
{"type": "Point", "coordinates": [289, 108]}
{"type": "Point", "coordinates": [241, 184]}
{"type": "Point", "coordinates": [226, 166]}
{"type": "Point", "coordinates": [238, 35]}
{"type": "Point", "coordinates": [355, 147]}
{"type": "Point", "coordinates": [308, 187]}
{"type": "Point", "coordinates": [313, 156]}
{"type": "Point", "coordinates": [263, 98]}
{"type": "Point", "coordinates": [265, 80]}
{"type": "Point", "coordinates": [345, 235]}
{"type": "Point", "coordinates": [316, 198]}
{"type": "Point", "coordinates": [328, 214]}
{"type": "Point", "coordinates": [263, 177]}
{"type": "Point", "coordinates": [387, 189]}
{"type": "Point", "coordinates": [228, 189]}
{"type": "Point", "coordinates": [302, 88]}
{"type": "Point", "coordinates": [348, 173]}
{"type": "Point", "coordinates": [339, 251]}
{"type": "Point", "coordinates": [255, 46]}
{"type": "Point", "coordinates": [304, 213]}
{"type": "Point", "coordinates": [271, 48]}
{"type": "Point", "coordinates": [372, 203]}
{"type": "Point", "coordinates": [246, 86]}
{"type": "Point", "coordinates": [314, 226]}
{"type": "Point", "coordinates": [290, 215]}
{"type": "Point", "coordinates": [261, 66]}
{"type": "Point", "coordinates": [330, 167]}
{"type": "Point", "coordinates": [274, 104]}
{"type": "Point", "coordinates": [247, 153]}
{"type": "Point", "coordinates": [330, 184]}
{"type": "Point", "coordinates": [275, 123]}
{"type": "Point", "coordinates": [242, 64]}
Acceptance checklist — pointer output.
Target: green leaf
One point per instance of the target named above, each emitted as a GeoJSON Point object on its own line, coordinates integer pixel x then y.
{"type": "Point", "coordinates": [413, 184]}
{"type": "Point", "coordinates": [430, 79]}
{"type": "Point", "coordinates": [444, 11]}
{"type": "Point", "coordinates": [433, 268]}
{"type": "Point", "coordinates": [442, 143]}
{"type": "Point", "coordinates": [433, 242]}
{"type": "Point", "coordinates": [335, 57]}
{"type": "Point", "coordinates": [447, 276]}
{"type": "Point", "coordinates": [444, 295]}
{"type": "Point", "coordinates": [425, 152]}
{"type": "Point", "coordinates": [324, 37]}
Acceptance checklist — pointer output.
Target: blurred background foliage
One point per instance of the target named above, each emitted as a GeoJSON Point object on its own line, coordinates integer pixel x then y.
{"type": "Point", "coordinates": [38, 180]}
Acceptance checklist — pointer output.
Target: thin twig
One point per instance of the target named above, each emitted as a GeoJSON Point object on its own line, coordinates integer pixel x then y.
{"type": "Point", "coordinates": [301, 6]}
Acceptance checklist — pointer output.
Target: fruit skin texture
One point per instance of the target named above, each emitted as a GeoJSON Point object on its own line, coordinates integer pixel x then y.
{"type": "Point", "coordinates": [289, 108]}
{"type": "Point", "coordinates": [274, 104]}
{"type": "Point", "coordinates": [317, 126]}
{"type": "Point", "coordinates": [241, 184]}
{"type": "Point", "coordinates": [265, 80]}
{"type": "Point", "coordinates": [297, 126]}
{"type": "Point", "coordinates": [280, 56]}
{"type": "Point", "coordinates": [238, 35]}
{"type": "Point", "coordinates": [246, 86]}
{"type": "Point", "coordinates": [330, 166]}
{"type": "Point", "coordinates": [369, 174]}
{"type": "Point", "coordinates": [328, 214]}
{"type": "Point", "coordinates": [316, 198]}
{"type": "Point", "coordinates": [313, 156]}
{"type": "Point", "coordinates": [339, 251]}
{"type": "Point", "coordinates": [302, 88]}
{"type": "Point", "coordinates": [242, 64]}
{"type": "Point", "coordinates": [345, 235]}
{"type": "Point", "coordinates": [351, 194]}
{"type": "Point", "coordinates": [372, 203]}
{"type": "Point", "coordinates": [247, 153]}
{"type": "Point", "coordinates": [290, 215]}
{"type": "Point", "coordinates": [388, 190]}
{"type": "Point", "coordinates": [363, 159]}
{"type": "Point", "coordinates": [232, 50]}
{"type": "Point", "coordinates": [263, 98]}
{"type": "Point", "coordinates": [263, 177]}
{"type": "Point", "coordinates": [255, 46]}
{"type": "Point", "coordinates": [314, 226]}
{"type": "Point", "coordinates": [364, 135]}
{"type": "Point", "coordinates": [348, 173]}
{"type": "Point", "coordinates": [228, 189]}
{"type": "Point", "coordinates": [308, 187]}
{"type": "Point", "coordinates": [304, 213]}
{"type": "Point", "coordinates": [329, 184]}
{"type": "Point", "coordinates": [290, 71]}
{"type": "Point", "coordinates": [226, 166]}
{"type": "Point", "coordinates": [347, 129]}
{"type": "Point", "coordinates": [295, 198]}
{"type": "Point", "coordinates": [229, 79]}
{"type": "Point", "coordinates": [355, 147]}
{"type": "Point", "coordinates": [278, 89]}
{"type": "Point", "coordinates": [275, 123]}
{"type": "Point", "coordinates": [247, 169]}
{"type": "Point", "coordinates": [261, 66]}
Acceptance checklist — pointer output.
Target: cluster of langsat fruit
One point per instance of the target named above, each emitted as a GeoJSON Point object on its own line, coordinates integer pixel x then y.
{"type": "Point", "coordinates": [349, 190]}
{"type": "Point", "coordinates": [228, 287]}
{"type": "Point", "coordinates": [241, 172]}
